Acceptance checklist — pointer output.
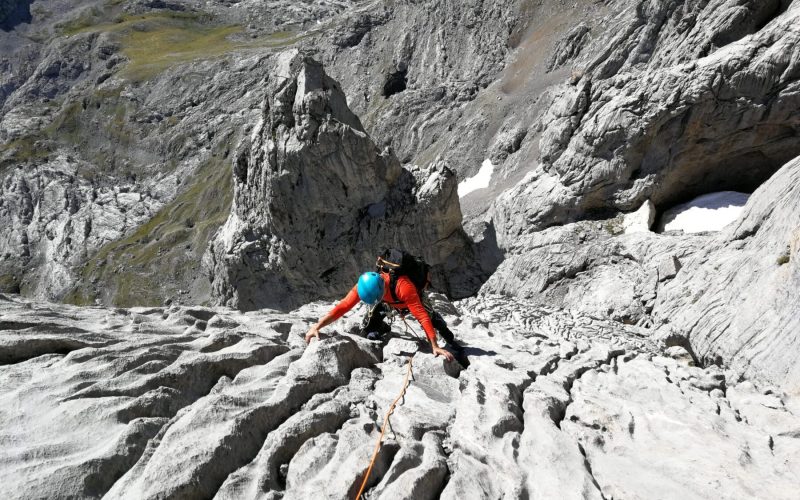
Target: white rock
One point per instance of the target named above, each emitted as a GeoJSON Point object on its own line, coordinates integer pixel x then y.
{"type": "Point", "coordinates": [641, 220]}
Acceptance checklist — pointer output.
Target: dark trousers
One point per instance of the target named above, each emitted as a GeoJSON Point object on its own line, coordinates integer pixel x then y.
{"type": "Point", "coordinates": [375, 321]}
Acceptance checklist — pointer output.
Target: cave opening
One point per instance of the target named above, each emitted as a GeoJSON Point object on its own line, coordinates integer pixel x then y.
{"type": "Point", "coordinates": [705, 196]}
{"type": "Point", "coordinates": [14, 13]}
{"type": "Point", "coordinates": [395, 83]}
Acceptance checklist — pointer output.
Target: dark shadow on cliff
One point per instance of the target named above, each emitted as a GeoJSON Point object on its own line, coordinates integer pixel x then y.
{"type": "Point", "coordinates": [477, 351]}
{"type": "Point", "coordinates": [18, 12]}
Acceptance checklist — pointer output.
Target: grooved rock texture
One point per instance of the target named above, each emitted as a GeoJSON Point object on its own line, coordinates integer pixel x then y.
{"type": "Point", "coordinates": [663, 122]}
{"type": "Point", "coordinates": [735, 300]}
{"type": "Point", "coordinates": [188, 402]}
{"type": "Point", "coordinates": [602, 361]}
{"type": "Point", "coordinates": [315, 199]}
{"type": "Point", "coordinates": [731, 295]}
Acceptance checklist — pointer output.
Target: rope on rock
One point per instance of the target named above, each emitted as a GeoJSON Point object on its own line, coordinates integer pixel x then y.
{"type": "Point", "coordinates": [408, 327]}
{"type": "Point", "coordinates": [383, 429]}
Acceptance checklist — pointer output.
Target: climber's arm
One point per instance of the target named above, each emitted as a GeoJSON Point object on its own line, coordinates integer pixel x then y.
{"type": "Point", "coordinates": [350, 300]}
{"type": "Point", "coordinates": [406, 292]}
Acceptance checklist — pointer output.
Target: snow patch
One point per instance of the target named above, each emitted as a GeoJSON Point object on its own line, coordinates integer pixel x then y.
{"type": "Point", "coordinates": [709, 212]}
{"type": "Point", "coordinates": [477, 181]}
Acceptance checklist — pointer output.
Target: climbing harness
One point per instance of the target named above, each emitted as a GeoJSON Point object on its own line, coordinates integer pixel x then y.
{"type": "Point", "coordinates": [389, 412]}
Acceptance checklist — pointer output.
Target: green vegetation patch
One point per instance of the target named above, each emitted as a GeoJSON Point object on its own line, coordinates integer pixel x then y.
{"type": "Point", "coordinates": [9, 283]}
{"type": "Point", "coordinates": [21, 150]}
{"type": "Point", "coordinates": [153, 47]}
{"type": "Point", "coordinates": [163, 254]}
{"type": "Point", "coordinates": [156, 41]}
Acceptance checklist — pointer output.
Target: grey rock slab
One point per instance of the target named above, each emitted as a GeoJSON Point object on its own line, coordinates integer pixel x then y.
{"type": "Point", "coordinates": [340, 469]}
{"type": "Point", "coordinates": [553, 462]}
{"type": "Point", "coordinates": [668, 267]}
{"type": "Point", "coordinates": [231, 440]}
{"type": "Point", "coordinates": [264, 473]}
{"type": "Point", "coordinates": [639, 414]}
{"type": "Point", "coordinates": [58, 438]}
{"type": "Point", "coordinates": [245, 408]}
{"type": "Point", "coordinates": [417, 471]}
{"type": "Point", "coordinates": [735, 301]}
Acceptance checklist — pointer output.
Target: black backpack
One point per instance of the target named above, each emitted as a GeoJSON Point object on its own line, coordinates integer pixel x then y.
{"type": "Point", "coordinates": [399, 263]}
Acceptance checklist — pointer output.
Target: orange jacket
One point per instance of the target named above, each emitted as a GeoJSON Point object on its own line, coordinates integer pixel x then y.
{"type": "Point", "coordinates": [406, 295]}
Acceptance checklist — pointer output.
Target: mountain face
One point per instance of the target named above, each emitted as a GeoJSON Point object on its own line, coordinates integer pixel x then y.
{"type": "Point", "coordinates": [191, 160]}
{"type": "Point", "coordinates": [314, 199]}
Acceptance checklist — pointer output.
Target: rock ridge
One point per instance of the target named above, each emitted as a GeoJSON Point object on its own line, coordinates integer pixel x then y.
{"type": "Point", "coordinates": [314, 199]}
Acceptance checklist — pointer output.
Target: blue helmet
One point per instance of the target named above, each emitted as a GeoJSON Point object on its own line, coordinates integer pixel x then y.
{"type": "Point", "coordinates": [370, 288]}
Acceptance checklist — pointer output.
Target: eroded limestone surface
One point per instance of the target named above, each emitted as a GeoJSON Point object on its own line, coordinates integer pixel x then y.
{"type": "Point", "coordinates": [196, 402]}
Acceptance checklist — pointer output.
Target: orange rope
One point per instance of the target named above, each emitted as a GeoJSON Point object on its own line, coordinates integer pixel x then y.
{"type": "Point", "coordinates": [403, 317]}
{"type": "Point", "coordinates": [383, 429]}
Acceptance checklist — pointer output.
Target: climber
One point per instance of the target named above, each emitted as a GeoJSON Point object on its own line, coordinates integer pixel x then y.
{"type": "Point", "coordinates": [374, 289]}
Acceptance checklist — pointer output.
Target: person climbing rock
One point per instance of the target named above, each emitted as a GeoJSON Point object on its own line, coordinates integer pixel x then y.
{"type": "Point", "coordinates": [399, 284]}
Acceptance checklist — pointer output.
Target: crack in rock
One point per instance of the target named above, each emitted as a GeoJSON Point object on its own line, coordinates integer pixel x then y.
{"type": "Point", "coordinates": [243, 409]}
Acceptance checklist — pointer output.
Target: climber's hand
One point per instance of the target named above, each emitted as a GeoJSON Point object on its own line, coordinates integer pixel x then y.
{"type": "Point", "coordinates": [447, 355]}
{"type": "Point", "coordinates": [312, 332]}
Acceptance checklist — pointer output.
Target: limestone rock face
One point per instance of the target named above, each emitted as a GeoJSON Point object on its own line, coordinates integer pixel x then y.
{"type": "Point", "coordinates": [285, 144]}
{"type": "Point", "coordinates": [188, 402]}
{"type": "Point", "coordinates": [55, 218]}
{"type": "Point", "coordinates": [315, 199]}
{"type": "Point", "coordinates": [683, 113]}
{"type": "Point", "coordinates": [736, 298]}
{"type": "Point", "coordinates": [670, 101]}
{"type": "Point", "coordinates": [729, 296]}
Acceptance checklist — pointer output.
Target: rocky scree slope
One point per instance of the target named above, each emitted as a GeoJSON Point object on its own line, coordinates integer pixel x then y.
{"type": "Point", "coordinates": [190, 402]}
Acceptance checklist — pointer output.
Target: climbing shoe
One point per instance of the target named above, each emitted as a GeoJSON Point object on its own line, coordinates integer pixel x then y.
{"type": "Point", "coordinates": [374, 335]}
